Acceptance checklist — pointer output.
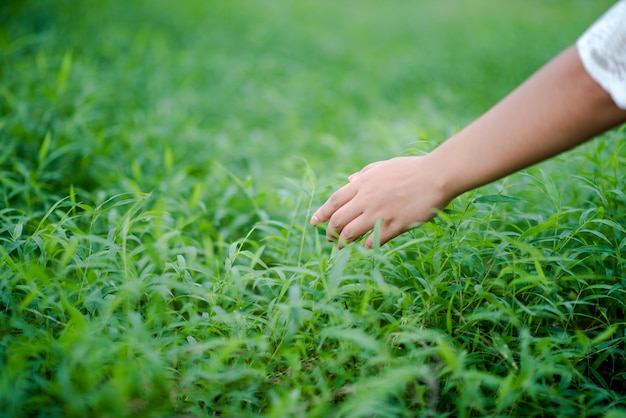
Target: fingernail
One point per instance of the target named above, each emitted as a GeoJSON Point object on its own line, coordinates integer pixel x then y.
{"type": "Point", "coordinates": [314, 220]}
{"type": "Point", "coordinates": [353, 177]}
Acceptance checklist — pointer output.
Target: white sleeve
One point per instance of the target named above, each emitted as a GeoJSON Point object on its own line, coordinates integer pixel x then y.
{"type": "Point", "coordinates": [602, 49]}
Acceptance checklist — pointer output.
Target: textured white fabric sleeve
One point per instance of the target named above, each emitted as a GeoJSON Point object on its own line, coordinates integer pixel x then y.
{"type": "Point", "coordinates": [602, 49]}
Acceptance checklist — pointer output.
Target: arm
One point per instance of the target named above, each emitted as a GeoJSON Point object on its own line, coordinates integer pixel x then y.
{"type": "Point", "coordinates": [556, 109]}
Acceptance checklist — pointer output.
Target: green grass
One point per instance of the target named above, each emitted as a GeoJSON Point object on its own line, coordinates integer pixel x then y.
{"type": "Point", "coordinates": [159, 162]}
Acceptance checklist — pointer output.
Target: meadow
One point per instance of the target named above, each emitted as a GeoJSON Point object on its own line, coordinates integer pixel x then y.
{"type": "Point", "coordinates": [160, 161]}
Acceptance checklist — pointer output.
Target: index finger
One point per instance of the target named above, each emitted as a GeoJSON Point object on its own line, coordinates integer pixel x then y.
{"type": "Point", "coordinates": [334, 202]}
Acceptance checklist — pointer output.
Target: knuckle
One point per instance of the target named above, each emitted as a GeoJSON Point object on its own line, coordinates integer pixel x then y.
{"type": "Point", "coordinates": [332, 232]}
{"type": "Point", "coordinates": [348, 234]}
{"type": "Point", "coordinates": [333, 200]}
{"type": "Point", "coordinates": [334, 224]}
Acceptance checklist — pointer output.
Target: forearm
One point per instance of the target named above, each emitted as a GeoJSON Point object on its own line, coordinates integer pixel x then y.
{"type": "Point", "coordinates": [556, 109]}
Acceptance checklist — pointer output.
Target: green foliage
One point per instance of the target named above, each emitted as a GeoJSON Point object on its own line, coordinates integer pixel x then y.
{"type": "Point", "coordinates": [159, 162]}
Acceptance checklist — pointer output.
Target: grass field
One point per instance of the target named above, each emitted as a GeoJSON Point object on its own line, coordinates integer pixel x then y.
{"type": "Point", "coordinates": [160, 161]}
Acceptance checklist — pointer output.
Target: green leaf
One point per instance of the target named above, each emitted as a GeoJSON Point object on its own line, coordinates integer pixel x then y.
{"type": "Point", "coordinates": [64, 71]}
{"type": "Point", "coordinates": [496, 198]}
{"type": "Point", "coordinates": [604, 335]}
{"type": "Point", "coordinates": [43, 149]}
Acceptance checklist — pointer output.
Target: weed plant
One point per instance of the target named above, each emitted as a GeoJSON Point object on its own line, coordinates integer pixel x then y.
{"type": "Point", "coordinates": [159, 162]}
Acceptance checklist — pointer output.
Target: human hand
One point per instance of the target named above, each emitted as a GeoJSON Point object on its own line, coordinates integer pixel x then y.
{"type": "Point", "coordinates": [402, 193]}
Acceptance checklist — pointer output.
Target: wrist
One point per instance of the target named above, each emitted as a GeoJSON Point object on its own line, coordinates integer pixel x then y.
{"type": "Point", "coordinates": [443, 174]}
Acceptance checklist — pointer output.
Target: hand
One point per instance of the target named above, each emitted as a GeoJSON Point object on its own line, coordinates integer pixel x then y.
{"type": "Point", "coordinates": [402, 192]}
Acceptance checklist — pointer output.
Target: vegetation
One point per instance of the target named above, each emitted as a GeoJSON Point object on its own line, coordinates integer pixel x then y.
{"type": "Point", "coordinates": [159, 162]}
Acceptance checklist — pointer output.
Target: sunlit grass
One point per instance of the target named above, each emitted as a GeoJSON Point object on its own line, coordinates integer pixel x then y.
{"type": "Point", "coordinates": [158, 167]}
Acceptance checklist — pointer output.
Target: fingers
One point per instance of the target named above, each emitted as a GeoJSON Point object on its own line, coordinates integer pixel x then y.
{"type": "Point", "coordinates": [345, 232]}
{"type": "Point", "coordinates": [356, 175]}
{"type": "Point", "coordinates": [349, 223]}
{"type": "Point", "coordinates": [334, 202]}
{"type": "Point", "coordinates": [347, 226]}
{"type": "Point", "coordinates": [385, 233]}
{"type": "Point", "coordinates": [343, 213]}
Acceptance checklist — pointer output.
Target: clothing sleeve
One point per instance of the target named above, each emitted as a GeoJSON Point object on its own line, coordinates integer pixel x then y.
{"type": "Point", "coordinates": [602, 49]}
